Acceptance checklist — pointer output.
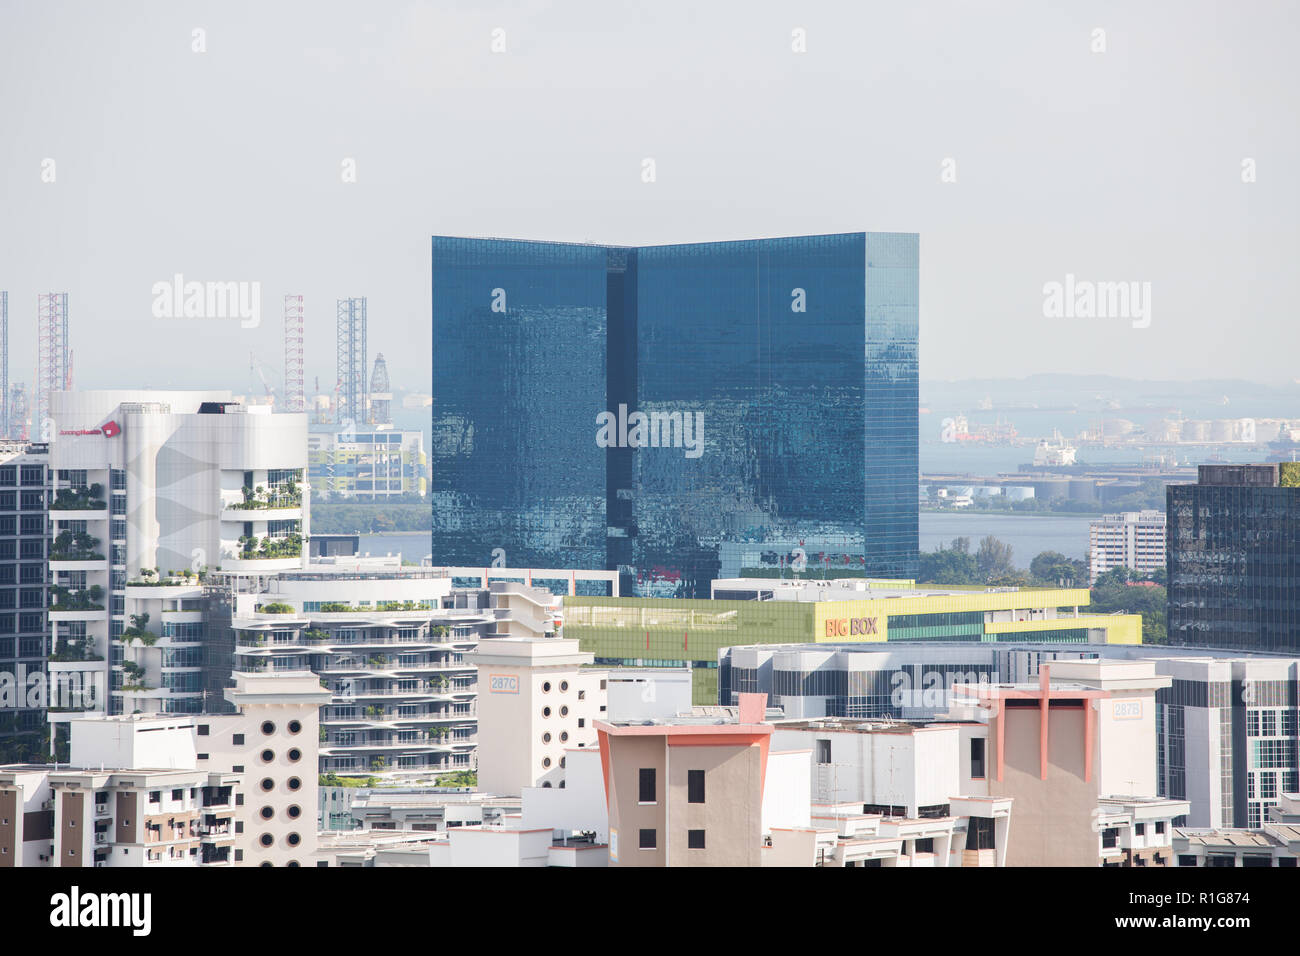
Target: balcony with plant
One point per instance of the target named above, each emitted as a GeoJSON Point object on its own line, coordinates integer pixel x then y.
{"type": "Point", "coordinates": [138, 631]}
{"type": "Point", "coordinates": [86, 599]}
{"type": "Point", "coordinates": [287, 495]}
{"type": "Point", "coordinates": [79, 499]}
{"type": "Point", "coordinates": [253, 548]}
{"type": "Point", "coordinates": [75, 650]}
{"type": "Point", "coordinates": [74, 546]}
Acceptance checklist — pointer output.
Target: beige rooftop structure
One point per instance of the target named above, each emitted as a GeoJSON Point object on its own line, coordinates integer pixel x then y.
{"type": "Point", "coordinates": [537, 697]}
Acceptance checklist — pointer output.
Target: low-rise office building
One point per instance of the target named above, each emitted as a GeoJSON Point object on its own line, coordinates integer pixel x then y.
{"type": "Point", "coordinates": [635, 632]}
{"type": "Point", "coordinates": [367, 462]}
{"type": "Point", "coordinates": [1232, 541]}
{"type": "Point", "coordinates": [1225, 726]}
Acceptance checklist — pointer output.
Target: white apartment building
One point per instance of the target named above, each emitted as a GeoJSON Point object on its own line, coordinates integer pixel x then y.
{"type": "Point", "coordinates": [390, 645]}
{"type": "Point", "coordinates": [152, 492]}
{"type": "Point", "coordinates": [176, 790]}
{"type": "Point", "coordinates": [115, 818]}
{"type": "Point", "coordinates": [537, 700]}
{"type": "Point", "coordinates": [1133, 539]}
{"type": "Point", "coordinates": [272, 740]}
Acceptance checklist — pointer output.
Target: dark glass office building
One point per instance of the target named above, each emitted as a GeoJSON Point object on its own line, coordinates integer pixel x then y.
{"type": "Point", "coordinates": [663, 410]}
{"type": "Point", "coordinates": [1233, 553]}
{"type": "Point", "coordinates": [24, 597]}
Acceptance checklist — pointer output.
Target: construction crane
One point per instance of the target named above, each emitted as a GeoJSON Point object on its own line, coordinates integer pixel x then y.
{"type": "Point", "coordinates": [254, 365]}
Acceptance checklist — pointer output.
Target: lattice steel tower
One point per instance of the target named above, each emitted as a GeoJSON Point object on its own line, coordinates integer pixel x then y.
{"type": "Point", "coordinates": [295, 386]}
{"type": "Point", "coordinates": [381, 398]}
{"type": "Point", "coordinates": [53, 371]}
{"type": "Point", "coordinates": [18, 411]}
{"type": "Point", "coordinates": [351, 353]}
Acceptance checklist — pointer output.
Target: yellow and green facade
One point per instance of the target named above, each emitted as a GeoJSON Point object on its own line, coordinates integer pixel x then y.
{"type": "Point", "coordinates": [651, 632]}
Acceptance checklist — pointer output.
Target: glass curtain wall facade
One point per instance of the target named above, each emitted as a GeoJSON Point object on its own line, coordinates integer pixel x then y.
{"type": "Point", "coordinates": [519, 376]}
{"type": "Point", "coordinates": [24, 632]}
{"type": "Point", "coordinates": [1234, 559]}
{"type": "Point", "coordinates": [755, 391]}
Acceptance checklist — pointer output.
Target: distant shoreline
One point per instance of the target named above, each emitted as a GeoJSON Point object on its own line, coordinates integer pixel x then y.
{"type": "Point", "coordinates": [1015, 514]}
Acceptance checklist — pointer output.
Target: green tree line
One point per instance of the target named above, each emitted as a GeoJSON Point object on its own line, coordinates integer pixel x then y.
{"type": "Point", "coordinates": [329, 517]}
{"type": "Point", "coordinates": [991, 563]}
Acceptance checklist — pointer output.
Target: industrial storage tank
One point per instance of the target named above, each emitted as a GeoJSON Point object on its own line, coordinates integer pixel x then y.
{"type": "Point", "coordinates": [1083, 489]}
{"type": "Point", "coordinates": [1221, 429]}
{"type": "Point", "coordinates": [1052, 488]}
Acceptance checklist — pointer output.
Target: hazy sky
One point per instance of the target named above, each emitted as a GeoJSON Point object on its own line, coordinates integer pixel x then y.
{"type": "Point", "coordinates": [226, 165]}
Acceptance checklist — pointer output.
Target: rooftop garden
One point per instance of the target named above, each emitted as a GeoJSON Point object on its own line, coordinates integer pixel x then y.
{"type": "Point", "coordinates": [275, 607]}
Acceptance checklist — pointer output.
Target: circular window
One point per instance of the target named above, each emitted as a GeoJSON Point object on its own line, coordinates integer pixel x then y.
{"type": "Point", "coordinates": [294, 783]}
{"type": "Point", "coordinates": [294, 812]}
{"type": "Point", "coordinates": [564, 735]}
{"type": "Point", "coordinates": [295, 755]}
{"type": "Point", "coordinates": [546, 761]}
{"type": "Point", "coordinates": [268, 864]}
{"type": "Point", "coordinates": [292, 863]}
{"type": "Point", "coordinates": [268, 728]}
{"type": "Point", "coordinates": [267, 813]}
{"type": "Point", "coordinates": [562, 759]}
{"type": "Point", "coordinates": [546, 687]}
{"type": "Point", "coordinates": [546, 738]}
{"type": "Point", "coordinates": [294, 839]}
{"type": "Point", "coordinates": [546, 711]}
{"type": "Point", "coordinates": [295, 727]}
{"type": "Point", "coordinates": [564, 712]}
{"type": "Point", "coordinates": [268, 756]}
{"type": "Point", "coordinates": [564, 685]}
{"type": "Point", "coordinates": [268, 784]}
{"type": "Point", "coordinates": [266, 839]}
{"type": "Point", "coordinates": [546, 785]}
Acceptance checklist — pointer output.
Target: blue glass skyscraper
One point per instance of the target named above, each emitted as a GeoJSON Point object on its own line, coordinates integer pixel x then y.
{"type": "Point", "coordinates": [677, 413]}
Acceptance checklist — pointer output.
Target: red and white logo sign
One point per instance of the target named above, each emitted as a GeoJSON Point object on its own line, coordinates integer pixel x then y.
{"type": "Point", "coordinates": [108, 430]}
